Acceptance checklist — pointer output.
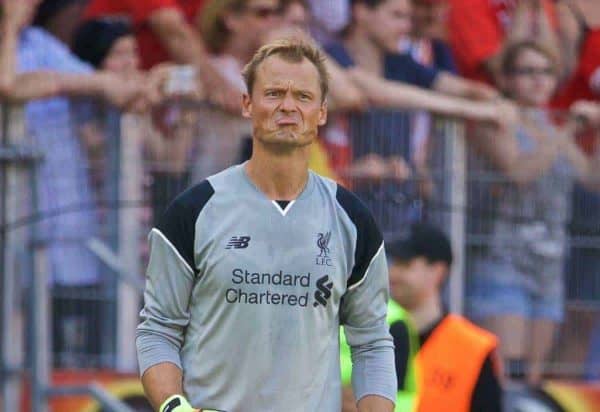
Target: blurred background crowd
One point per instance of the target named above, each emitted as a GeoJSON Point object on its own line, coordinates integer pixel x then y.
{"type": "Point", "coordinates": [518, 81]}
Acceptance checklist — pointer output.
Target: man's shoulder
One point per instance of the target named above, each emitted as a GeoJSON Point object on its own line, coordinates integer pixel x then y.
{"type": "Point", "coordinates": [358, 212]}
{"type": "Point", "coordinates": [195, 196]}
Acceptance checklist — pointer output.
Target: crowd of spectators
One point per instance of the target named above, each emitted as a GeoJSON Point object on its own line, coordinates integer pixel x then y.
{"type": "Point", "coordinates": [506, 67]}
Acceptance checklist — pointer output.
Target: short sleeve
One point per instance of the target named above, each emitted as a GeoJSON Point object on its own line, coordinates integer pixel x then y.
{"type": "Point", "coordinates": [339, 53]}
{"type": "Point", "coordinates": [38, 50]}
{"type": "Point", "coordinates": [444, 60]}
{"type": "Point", "coordinates": [404, 68]}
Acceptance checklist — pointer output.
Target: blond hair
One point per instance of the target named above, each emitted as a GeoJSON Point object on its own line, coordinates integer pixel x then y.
{"type": "Point", "coordinates": [293, 50]}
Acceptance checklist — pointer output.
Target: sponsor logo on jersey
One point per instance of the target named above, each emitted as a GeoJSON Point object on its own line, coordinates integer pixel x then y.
{"type": "Point", "coordinates": [238, 242]}
{"type": "Point", "coordinates": [323, 258]}
{"type": "Point", "coordinates": [323, 292]}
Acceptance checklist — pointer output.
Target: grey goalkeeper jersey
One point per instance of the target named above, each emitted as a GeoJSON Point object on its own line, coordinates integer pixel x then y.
{"type": "Point", "coordinates": [246, 297]}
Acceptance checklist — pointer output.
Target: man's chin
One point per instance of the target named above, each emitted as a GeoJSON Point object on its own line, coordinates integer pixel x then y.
{"type": "Point", "coordinates": [288, 140]}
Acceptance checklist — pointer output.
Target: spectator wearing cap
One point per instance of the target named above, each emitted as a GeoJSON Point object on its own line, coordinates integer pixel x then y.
{"type": "Point", "coordinates": [456, 363]}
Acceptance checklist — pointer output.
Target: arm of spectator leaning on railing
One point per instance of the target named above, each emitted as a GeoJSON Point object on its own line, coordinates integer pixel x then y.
{"type": "Point", "coordinates": [186, 47]}
{"type": "Point", "coordinates": [39, 84]}
{"type": "Point", "coordinates": [500, 146]}
{"type": "Point", "coordinates": [24, 86]}
{"type": "Point", "coordinates": [343, 94]}
{"type": "Point", "coordinates": [587, 167]}
{"type": "Point", "coordinates": [393, 94]}
{"type": "Point", "coordinates": [450, 84]}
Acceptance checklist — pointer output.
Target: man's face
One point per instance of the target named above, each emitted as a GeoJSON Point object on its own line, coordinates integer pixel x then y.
{"type": "Point", "coordinates": [388, 23]}
{"type": "Point", "coordinates": [286, 105]}
{"type": "Point", "coordinates": [256, 19]}
{"type": "Point", "coordinates": [123, 57]}
{"type": "Point", "coordinates": [413, 281]}
{"type": "Point", "coordinates": [429, 18]}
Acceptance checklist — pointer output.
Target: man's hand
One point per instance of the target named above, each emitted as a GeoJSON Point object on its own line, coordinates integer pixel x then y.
{"type": "Point", "coordinates": [586, 111]}
{"type": "Point", "coordinates": [481, 91]}
{"type": "Point", "coordinates": [503, 113]}
{"type": "Point", "coordinates": [177, 403]}
{"type": "Point", "coordinates": [219, 89]}
{"type": "Point", "coordinates": [374, 403]}
{"type": "Point", "coordinates": [127, 93]}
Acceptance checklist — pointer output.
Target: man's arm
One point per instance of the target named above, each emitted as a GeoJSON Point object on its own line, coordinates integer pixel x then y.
{"type": "Point", "coordinates": [165, 315]}
{"type": "Point", "coordinates": [363, 313]}
{"type": "Point", "coordinates": [372, 403]}
{"type": "Point", "coordinates": [397, 95]}
{"type": "Point", "coordinates": [343, 94]}
{"type": "Point", "coordinates": [453, 85]}
{"type": "Point", "coordinates": [161, 382]}
{"type": "Point", "coordinates": [186, 47]}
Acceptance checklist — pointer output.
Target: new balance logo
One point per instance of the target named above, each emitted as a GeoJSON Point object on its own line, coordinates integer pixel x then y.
{"type": "Point", "coordinates": [323, 291]}
{"type": "Point", "coordinates": [238, 242]}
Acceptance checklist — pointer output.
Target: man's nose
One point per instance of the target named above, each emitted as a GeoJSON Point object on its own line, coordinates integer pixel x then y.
{"type": "Point", "coordinates": [288, 104]}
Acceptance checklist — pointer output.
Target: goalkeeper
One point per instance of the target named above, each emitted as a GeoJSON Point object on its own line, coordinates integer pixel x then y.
{"type": "Point", "coordinates": [253, 270]}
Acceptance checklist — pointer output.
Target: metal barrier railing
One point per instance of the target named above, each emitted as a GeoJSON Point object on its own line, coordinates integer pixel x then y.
{"type": "Point", "coordinates": [25, 319]}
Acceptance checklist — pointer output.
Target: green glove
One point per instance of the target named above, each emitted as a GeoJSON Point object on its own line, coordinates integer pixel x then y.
{"type": "Point", "coordinates": [176, 403]}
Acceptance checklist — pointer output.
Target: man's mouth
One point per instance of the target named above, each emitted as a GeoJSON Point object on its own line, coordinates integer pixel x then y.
{"type": "Point", "coordinates": [286, 122]}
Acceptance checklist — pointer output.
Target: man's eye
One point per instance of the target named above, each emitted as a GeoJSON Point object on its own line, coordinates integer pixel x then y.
{"type": "Point", "coordinates": [305, 97]}
{"type": "Point", "coordinates": [272, 93]}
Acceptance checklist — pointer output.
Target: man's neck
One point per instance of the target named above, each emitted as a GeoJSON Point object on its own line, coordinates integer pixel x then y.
{"type": "Point", "coordinates": [365, 53]}
{"type": "Point", "coordinates": [280, 176]}
{"type": "Point", "coordinates": [427, 314]}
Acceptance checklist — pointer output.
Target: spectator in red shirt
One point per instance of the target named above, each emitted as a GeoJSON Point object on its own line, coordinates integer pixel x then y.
{"type": "Point", "coordinates": [585, 82]}
{"type": "Point", "coordinates": [164, 32]}
{"type": "Point", "coordinates": [478, 29]}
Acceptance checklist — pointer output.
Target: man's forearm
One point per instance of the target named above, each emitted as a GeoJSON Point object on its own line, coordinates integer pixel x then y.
{"type": "Point", "coordinates": [70, 84]}
{"type": "Point", "coordinates": [177, 37]}
{"type": "Point", "coordinates": [162, 381]}
{"type": "Point", "coordinates": [374, 403]}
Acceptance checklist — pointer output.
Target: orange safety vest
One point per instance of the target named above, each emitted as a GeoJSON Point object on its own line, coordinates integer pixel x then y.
{"type": "Point", "coordinates": [449, 364]}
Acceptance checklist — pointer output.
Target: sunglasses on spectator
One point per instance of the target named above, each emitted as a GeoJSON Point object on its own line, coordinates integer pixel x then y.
{"type": "Point", "coordinates": [533, 71]}
{"type": "Point", "coordinates": [264, 12]}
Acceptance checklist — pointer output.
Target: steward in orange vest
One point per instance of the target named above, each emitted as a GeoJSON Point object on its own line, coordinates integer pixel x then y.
{"type": "Point", "coordinates": [456, 366]}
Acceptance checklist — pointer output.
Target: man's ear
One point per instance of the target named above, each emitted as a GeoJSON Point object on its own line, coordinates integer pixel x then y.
{"type": "Point", "coordinates": [246, 106]}
{"type": "Point", "coordinates": [441, 273]}
{"type": "Point", "coordinates": [323, 113]}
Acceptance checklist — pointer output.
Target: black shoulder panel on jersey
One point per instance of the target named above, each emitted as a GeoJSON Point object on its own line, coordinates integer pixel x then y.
{"type": "Point", "coordinates": [179, 219]}
{"type": "Point", "coordinates": [368, 239]}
